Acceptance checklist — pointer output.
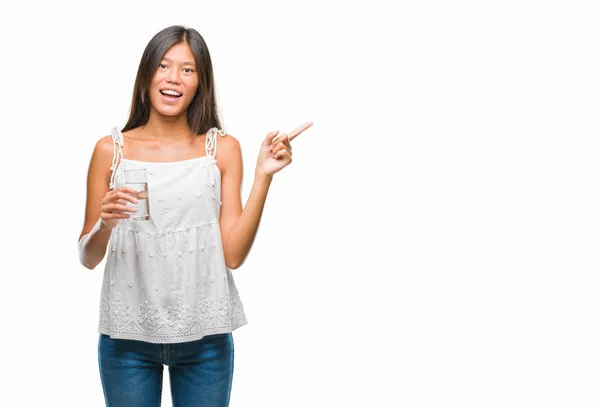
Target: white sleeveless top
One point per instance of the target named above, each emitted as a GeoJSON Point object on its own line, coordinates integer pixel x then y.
{"type": "Point", "coordinates": [165, 279]}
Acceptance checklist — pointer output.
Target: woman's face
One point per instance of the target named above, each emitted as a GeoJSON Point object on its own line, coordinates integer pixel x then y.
{"type": "Point", "coordinates": [175, 82]}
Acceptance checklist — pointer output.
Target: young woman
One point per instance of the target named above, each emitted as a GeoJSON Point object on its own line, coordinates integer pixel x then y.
{"type": "Point", "coordinates": [168, 295]}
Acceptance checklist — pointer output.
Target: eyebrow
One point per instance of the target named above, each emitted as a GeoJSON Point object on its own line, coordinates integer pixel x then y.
{"type": "Point", "coordinates": [185, 63]}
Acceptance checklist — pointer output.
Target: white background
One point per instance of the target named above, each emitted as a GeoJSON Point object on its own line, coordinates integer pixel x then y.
{"type": "Point", "coordinates": [434, 243]}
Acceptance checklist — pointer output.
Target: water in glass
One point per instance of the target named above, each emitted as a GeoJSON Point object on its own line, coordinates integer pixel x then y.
{"type": "Point", "coordinates": [136, 179]}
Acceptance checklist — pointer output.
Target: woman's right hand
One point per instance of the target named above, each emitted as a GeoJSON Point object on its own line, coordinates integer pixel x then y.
{"type": "Point", "coordinates": [114, 205]}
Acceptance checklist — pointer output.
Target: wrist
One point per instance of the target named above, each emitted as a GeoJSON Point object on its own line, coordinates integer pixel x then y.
{"type": "Point", "coordinates": [102, 225]}
{"type": "Point", "coordinates": [261, 177]}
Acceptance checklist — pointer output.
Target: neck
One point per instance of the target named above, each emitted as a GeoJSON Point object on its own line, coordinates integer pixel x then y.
{"type": "Point", "coordinates": [167, 127]}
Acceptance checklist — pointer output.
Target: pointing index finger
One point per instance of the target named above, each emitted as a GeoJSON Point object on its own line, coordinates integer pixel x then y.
{"type": "Point", "coordinates": [296, 132]}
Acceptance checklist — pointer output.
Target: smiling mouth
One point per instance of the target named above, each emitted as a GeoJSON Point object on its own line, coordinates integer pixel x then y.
{"type": "Point", "coordinates": [170, 94]}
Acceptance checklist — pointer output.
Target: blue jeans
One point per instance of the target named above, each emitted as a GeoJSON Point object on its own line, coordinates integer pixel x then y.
{"type": "Point", "coordinates": [200, 372]}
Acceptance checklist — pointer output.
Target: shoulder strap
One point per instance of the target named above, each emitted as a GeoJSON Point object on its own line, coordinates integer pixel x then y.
{"type": "Point", "coordinates": [210, 144]}
{"type": "Point", "coordinates": [117, 138]}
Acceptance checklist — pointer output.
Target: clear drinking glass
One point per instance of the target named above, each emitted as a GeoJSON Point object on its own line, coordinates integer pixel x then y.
{"type": "Point", "coordinates": [137, 179]}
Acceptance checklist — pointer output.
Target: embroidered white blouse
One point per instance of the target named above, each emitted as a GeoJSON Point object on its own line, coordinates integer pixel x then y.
{"type": "Point", "coordinates": [165, 279]}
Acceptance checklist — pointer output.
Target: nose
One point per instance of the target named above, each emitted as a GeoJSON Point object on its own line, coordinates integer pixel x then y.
{"type": "Point", "coordinates": [173, 76]}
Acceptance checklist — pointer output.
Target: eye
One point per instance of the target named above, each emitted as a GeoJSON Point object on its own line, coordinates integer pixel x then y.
{"type": "Point", "coordinates": [162, 66]}
{"type": "Point", "coordinates": [188, 70]}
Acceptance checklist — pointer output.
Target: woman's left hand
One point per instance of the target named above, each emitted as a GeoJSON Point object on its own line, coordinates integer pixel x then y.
{"type": "Point", "coordinates": [274, 154]}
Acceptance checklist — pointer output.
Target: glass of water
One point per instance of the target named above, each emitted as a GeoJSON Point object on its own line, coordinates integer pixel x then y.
{"type": "Point", "coordinates": [137, 179]}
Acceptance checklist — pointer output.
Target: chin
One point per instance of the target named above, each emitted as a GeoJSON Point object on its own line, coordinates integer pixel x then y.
{"type": "Point", "coordinates": [170, 111]}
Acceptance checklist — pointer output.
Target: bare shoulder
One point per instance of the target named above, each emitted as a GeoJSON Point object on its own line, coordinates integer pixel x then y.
{"type": "Point", "coordinates": [228, 147]}
{"type": "Point", "coordinates": [229, 153]}
{"type": "Point", "coordinates": [102, 158]}
{"type": "Point", "coordinates": [229, 141]}
{"type": "Point", "coordinates": [104, 148]}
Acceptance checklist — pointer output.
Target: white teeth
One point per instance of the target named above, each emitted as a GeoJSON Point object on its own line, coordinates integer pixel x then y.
{"type": "Point", "coordinates": [170, 92]}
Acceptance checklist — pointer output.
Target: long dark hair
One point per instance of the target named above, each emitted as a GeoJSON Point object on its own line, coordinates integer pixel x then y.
{"type": "Point", "coordinates": [202, 112]}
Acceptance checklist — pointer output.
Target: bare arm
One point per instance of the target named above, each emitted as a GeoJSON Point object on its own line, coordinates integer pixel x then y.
{"type": "Point", "coordinates": [98, 221]}
{"type": "Point", "coordinates": [239, 227]}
